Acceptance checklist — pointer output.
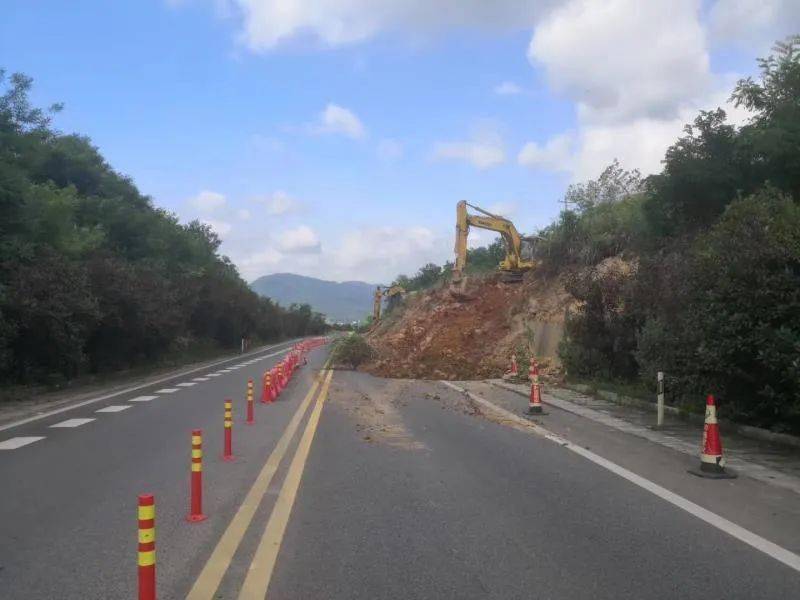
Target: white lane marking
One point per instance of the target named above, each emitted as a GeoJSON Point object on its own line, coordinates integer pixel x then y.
{"type": "Point", "coordinates": [214, 374]}
{"type": "Point", "coordinates": [200, 379]}
{"type": "Point", "coordinates": [142, 398]}
{"type": "Point", "coordinates": [135, 388]}
{"type": "Point", "coordinates": [73, 423]}
{"type": "Point", "coordinates": [18, 442]}
{"type": "Point", "coordinates": [167, 391]}
{"type": "Point", "coordinates": [114, 408]}
{"type": "Point", "coordinates": [225, 371]}
{"type": "Point", "coordinates": [790, 559]}
{"type": "Point", "coordinates": [186, 384]}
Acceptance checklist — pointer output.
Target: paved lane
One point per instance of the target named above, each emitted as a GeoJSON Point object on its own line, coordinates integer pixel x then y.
{"type": "Point", "coordinates": [402, 498]}
{"type": "Point", "coordinates": [350, 487]}
{"type": "Point", "coordinates": [68, 501]}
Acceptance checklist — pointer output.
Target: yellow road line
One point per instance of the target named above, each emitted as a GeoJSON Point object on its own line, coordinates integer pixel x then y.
{"type": "Point", "coordinates": [260, 572]}
{"type": "Point", "coordinates": [214, 570]}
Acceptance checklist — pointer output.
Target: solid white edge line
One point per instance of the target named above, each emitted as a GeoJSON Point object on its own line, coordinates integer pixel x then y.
{"type": "Point", "coordinates": [790, 559]}
{"type": "Point", "coordinates": [135, 388]}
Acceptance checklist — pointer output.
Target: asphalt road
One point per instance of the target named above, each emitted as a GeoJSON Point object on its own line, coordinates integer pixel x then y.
{"type": "Point", "coordinates": [68, 505]}
{"type": "Point", "coordinates": [385, 489]}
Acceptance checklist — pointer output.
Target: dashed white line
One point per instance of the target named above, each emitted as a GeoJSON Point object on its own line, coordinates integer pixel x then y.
{"type": "Point", "coordinates": [73, 423]}
{"type": "Point", "coordinates": [187, 384]}
{"type": "Point", "coordinates": [19, 442]}
{"type": "Point", "coordinates": [214, 374]}
{"type": "Point", "coordinates": [143, 398]}
{"type": "Point", "coordinates": [114, 408]}
{"type": "Point", "coordinates": [200, 379]}
{"type": "Point", "coordinates": [167, 391]}
{"type": "Point", "coordinates": [45, 415]}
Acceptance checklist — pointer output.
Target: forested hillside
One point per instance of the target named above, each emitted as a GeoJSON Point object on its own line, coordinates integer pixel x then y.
{"type": "Point", "coordinates": [93, 276]}
{"type": "Point", "coordinates": [694, 271]}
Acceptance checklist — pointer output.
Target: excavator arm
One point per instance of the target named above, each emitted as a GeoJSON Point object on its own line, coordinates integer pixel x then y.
{"type": "Point", "coordinates": [515, 262]}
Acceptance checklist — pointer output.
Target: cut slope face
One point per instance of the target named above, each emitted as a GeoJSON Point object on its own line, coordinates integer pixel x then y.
{"type": "Point", "coordinates": [439, 335]}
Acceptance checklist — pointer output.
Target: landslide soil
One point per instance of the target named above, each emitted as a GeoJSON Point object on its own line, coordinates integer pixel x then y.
{"type": "Point", "coordinates": [467, 335]}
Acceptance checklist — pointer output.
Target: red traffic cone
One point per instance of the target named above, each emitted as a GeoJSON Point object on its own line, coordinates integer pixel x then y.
{"type": "Point", "coordinates": [535, 403]}
{"type": "Point", "coordinates": [712, 462]}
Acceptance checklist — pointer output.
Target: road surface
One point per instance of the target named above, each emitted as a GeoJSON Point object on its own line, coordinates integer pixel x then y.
{"type": "Point", "coordinates": [354, 487]}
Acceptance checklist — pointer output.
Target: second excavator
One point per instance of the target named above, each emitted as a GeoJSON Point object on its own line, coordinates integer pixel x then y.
{"type": "Point", "coordinates": [519, 249]}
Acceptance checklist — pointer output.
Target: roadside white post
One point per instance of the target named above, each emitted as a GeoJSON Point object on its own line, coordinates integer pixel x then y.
{"type": "Point", "coordinates": [660, 417]}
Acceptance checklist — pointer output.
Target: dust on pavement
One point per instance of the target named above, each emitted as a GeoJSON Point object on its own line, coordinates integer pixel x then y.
{"type": "Point", "coordinates": [373, 405]}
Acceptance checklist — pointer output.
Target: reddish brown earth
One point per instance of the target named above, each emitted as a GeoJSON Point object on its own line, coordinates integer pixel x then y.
{"type": "Point", "coordinates": [470, 334]}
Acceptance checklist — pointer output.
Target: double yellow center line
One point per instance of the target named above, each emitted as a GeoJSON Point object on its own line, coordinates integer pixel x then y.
{"type": "Point", "coordinates": [260, 571]}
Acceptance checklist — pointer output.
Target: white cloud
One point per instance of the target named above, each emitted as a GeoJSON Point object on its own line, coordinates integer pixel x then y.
{"type": "Point", "coordinates": [279, 203]}
{"type": "Point", "coordinates": [483, 151]}
{"type": "Point", "coordinates": [754, 22]}
{"type": "Point", "coordinates": [381, 253]}
{"type": "Point", "coordinates": [243, 214]}
{"type": "Point", "coordinates": [267, 23]}
{"type": "Point", "coordinates": [654, 77]}
{"type": "Point", "coordinates": [336, 119]}
{"type": "Point", "coordinates": [554, 155]}
{"type": "Point", "coordinates": [642, 143]}
{"type": "Point", "coordinates": [222, 228]}
{"type": "Point", "coordinates": [507, 88]}
{"type": "Point", "coordinates": [480, 155]}
{"type": "Point", "coordinates": [300, 239]}
{"type": "Point", "coordinates": [260, 263]}
{"type": "Point", "coordinates": [207, 201]}
{"type": "Point", "coordinates": [621, 60]}
{"type": "Point", "coordinates": [390, 150]}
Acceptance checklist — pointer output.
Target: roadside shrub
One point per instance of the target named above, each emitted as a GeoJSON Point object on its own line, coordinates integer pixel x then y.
{"type": "Point", "coordinates": [351, 350]}
{"type": "Point", "coordinates": [746, 309]}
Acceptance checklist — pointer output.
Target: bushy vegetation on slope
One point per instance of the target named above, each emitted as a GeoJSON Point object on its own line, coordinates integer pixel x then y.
{"type": "Point", "coordinates": [713, 298]}
{"type": "Point", "coordinates": [93, 276]}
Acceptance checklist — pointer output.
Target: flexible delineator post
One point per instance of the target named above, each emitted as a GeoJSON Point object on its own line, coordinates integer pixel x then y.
{"type": "Point", "coordinates": [251, 417]}
{"type": "Point", "coordinates": [196, 486]}
{"type": "Point", "coordinates": [147, 547]}
{"type": "Point", "coordinates": [227, 453]}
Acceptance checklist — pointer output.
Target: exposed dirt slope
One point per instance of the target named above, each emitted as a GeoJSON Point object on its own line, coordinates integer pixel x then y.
{"type": "Point", "coordinates": [470, 335]}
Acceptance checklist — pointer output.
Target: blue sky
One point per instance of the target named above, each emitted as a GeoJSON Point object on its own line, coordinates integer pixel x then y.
{"type": "Point", "coordinates": [335, 138]}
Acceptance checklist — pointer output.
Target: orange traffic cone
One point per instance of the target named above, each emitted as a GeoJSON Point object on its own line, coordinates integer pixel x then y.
{"type": "Point", "coordinates": [712, 462]}
{"type": "Point", "coordinates": [535, 403]}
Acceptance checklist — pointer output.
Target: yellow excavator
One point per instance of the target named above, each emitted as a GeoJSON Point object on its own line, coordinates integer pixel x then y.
{"type": "Point", "coordinates": [392, 295]}
{"type": "Point", "coordinates": [519, 249]}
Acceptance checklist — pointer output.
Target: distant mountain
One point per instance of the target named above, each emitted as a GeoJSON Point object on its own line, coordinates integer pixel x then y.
{"type": "Point", "coordinates": [346, 301]}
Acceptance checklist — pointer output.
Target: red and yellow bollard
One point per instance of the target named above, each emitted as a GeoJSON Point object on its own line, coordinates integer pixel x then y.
{"type": "Point", "coordinates": [227, 454]}
{"type": "Point", "coordinates": [251, 417]}
{"type": "Point", "coordinates": [196, 487]}
{"type": "Point", "coordinates": [147, 547]}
